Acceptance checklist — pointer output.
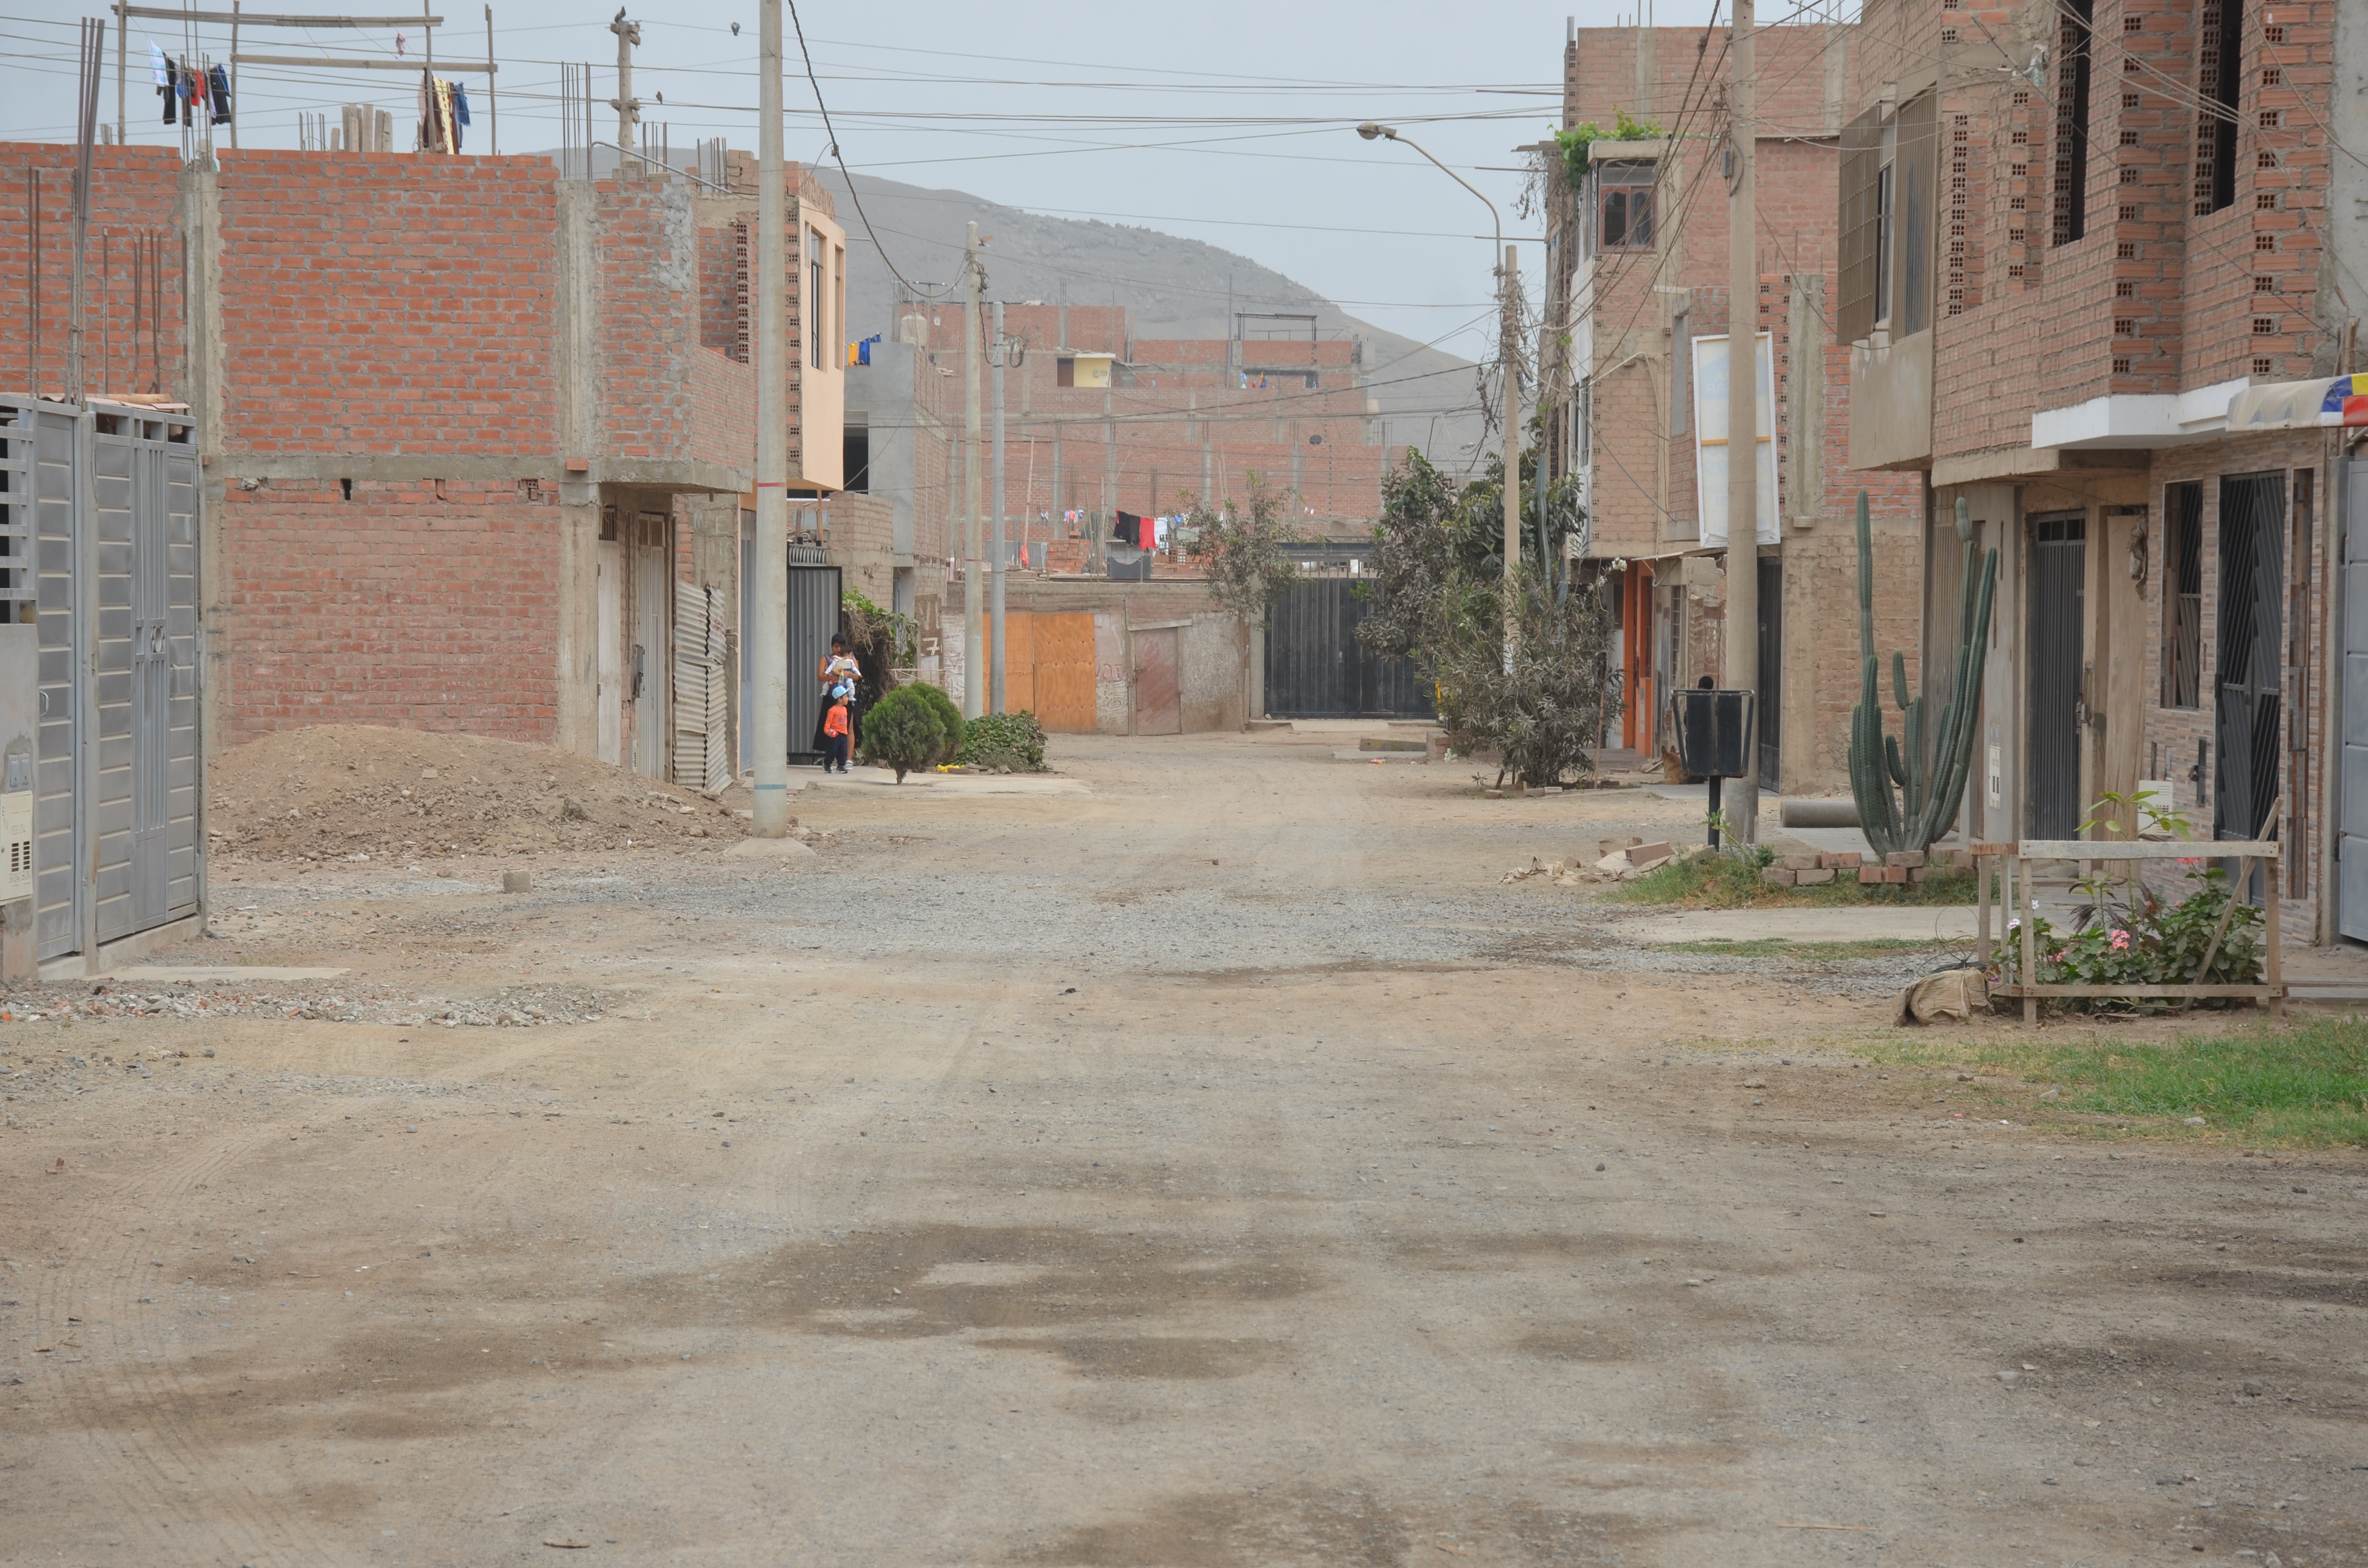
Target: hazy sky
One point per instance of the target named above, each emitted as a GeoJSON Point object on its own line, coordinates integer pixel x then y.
{"type": "Point", "coordinates": [1221, 119]}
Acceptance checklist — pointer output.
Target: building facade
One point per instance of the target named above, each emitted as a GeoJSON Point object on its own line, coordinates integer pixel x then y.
{"type": "Point", "coordinates": [2099, 262]}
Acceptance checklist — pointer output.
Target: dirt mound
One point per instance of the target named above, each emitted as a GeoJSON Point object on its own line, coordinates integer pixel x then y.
{"type": "Point", "coordinates": [345, 791]}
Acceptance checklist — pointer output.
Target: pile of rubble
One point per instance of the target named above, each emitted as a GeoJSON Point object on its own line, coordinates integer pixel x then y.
{"type": "Point", "coordinates": [1907, 866]}
{"type": "Point", "coordinates": [1617, 860]}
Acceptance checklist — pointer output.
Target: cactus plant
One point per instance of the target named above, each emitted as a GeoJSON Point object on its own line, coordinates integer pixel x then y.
{"type": "Point", "coordinates": [1929, 770]}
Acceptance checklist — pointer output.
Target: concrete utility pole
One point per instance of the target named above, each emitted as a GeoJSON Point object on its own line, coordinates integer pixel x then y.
{"type": "Point", "coordinates": [766, 643]}
{"type": "Point", "coordinates": [973, 656]}
{"type": "Point", "coordinates": [1743, 426]}
{"type": "Point", "coordinates": [1510, 288]}
{"type": "Point", "coordinates": [1002, 353]}
{"type": "Point", "coordinates": [629, 108]}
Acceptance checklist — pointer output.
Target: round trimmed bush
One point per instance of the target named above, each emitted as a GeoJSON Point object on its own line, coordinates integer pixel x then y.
{"type": "Point", "coordinates": [950, 717]}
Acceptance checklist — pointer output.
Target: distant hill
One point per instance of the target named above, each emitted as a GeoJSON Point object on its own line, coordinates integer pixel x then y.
{"type": "Point", "coordinates": [1171, 287]}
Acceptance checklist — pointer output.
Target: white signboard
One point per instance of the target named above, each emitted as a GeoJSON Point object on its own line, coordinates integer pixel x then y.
{"type": "Point", "coordinates": [1710, 440]}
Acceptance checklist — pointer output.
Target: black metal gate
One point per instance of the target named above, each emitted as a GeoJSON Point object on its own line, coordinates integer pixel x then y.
{"type": "Point", "coordinates": [2351, 794]}
{"type": "Point", "coordinates": [1315, 668]}
{"type": "Point", "coordinates": [2059, 614]}
{"type": "Point", "coordinates": [2248, 679]}
{"type": "Point", "coordinates": [1772, 673]}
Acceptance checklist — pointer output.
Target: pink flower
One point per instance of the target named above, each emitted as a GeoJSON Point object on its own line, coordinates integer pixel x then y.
{"type": "Point", "coordinates": [2121, 941]}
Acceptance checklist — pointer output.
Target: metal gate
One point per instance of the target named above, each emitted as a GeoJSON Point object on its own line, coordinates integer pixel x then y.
{"type": "Point", "coordinates": [113, 497]}
{"type": "Point", "coordinates": [813, 620]}
{"type": "Point", "coordinates": [2351, 844]}
{"type": "Point", "coordinates": [1771, 705]}
{"type": "Point", "coordinates": [2059, 615]}
{"type": "Point", "coordinates": [2249, 676]}
{"type": "Point", "coordinates": [1315, 668]}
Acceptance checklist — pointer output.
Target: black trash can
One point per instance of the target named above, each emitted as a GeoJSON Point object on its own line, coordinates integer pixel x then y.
{"type": "Point", "coordinates": [1715, 737]}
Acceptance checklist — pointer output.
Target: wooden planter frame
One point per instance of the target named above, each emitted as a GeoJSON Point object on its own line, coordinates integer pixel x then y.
{"type": "Point", "coordinates": [2011, 861]}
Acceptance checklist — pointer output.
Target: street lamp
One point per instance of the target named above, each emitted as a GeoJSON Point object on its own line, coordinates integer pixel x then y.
{"type": "Point", "coordinates": [1508, 282]}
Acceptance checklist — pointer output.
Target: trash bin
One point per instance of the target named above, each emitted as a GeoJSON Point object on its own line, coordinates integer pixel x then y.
{"type": "Point", "coordinates": [1714, 731]}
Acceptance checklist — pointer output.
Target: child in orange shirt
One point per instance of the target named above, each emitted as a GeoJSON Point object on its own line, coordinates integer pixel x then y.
{"type": "Point", "coordinates": [835, 733]}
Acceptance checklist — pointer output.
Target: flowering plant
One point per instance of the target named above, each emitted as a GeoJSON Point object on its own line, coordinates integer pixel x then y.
{"type": "Point", "coordinates": [2151, 941]}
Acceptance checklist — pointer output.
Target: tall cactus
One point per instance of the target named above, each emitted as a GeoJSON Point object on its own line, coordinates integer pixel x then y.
{"type": "Point", "coordinates": [1930, 777]}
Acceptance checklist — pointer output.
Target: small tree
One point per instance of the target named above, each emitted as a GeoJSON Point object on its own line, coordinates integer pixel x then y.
{"type": "Point", "coordinates": [1544, 715]}
{"type": "Point", "coordinates": [1242, 551]}
{"type": "Point", "coordinates": [902, 730]}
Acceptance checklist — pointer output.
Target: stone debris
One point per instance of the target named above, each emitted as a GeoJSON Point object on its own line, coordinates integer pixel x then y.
{"type": "Point", "coordinates": [338, 1002]}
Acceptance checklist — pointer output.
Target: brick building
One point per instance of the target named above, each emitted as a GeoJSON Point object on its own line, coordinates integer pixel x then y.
{"type": "Point", "coordinates": [463, 421]}
{"type": "Point", "coordinates": [2089, 253]}
{"type": "Point", "coordinates": [1639, 269]}
{"type": "Point", "coordinates": [1096, 422]}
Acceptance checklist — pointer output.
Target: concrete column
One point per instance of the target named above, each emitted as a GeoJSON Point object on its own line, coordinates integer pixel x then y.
{"type": "Point", "coordinates": [197, 216]}
{"type": "Point", "coordinates": [576, 367]}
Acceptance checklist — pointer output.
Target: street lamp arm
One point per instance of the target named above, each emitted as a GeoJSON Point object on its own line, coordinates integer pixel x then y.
{"type": "Point", "coordinates": [1371, 131]}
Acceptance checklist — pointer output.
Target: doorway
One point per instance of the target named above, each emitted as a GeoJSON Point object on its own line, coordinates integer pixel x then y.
{"type": "Point", "coordinates": [1158, 691]}
{"type": "Point", "coordinates": [1771, 705]}
{"type": "Point", "coordinates": [2248, 688]}
{"type": "Point", "coordinates": [2059, 617]}
{"type": "Point", "coordinates": [2352, 840]}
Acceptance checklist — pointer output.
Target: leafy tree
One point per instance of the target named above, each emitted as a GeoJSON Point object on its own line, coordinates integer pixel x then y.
{"type": "Point", "coordinates": [949, 719]}
{"type": "Point", "coordinates": [1242, 551]}
{"type": "Point", "coordinates": [1435, 596]}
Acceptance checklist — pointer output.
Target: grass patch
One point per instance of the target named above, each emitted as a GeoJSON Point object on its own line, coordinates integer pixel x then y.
{"type": "Point", "coordinates": [1722, 881]}
{"type": "Point", "coordinates": [2306, 1086]}
{"type": "Point", "coordinates": [1785, 948]}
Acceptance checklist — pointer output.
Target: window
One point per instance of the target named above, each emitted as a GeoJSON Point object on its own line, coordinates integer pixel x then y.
{"type": "Point", "coordinates": [2182, 596]}
{"type": "Point", "coordinates": [2218, 69]}
{"type": "Point", "coordinates": [1064, 372]}
{"type": "Point", "coordinates": [817, 304]}
{"type": "Point", "coordinates": [1885, 201]}
{"type": "Point", "coordinates": [838, 297]}
{"type": "Point", "coordinates": [1625, 206]}
{"type": "Point", "coordinates": [2073, 30]}
{"type": "Point", "coordinates": [1682, 374]}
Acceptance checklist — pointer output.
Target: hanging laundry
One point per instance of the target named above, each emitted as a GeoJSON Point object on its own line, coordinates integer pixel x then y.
{"type": "Point", "coordinates": [161, 68]}
{"type": "Point", "coordinates": [171, 89]}
{"type": "Point", "coordinates": [218, 80]}
{"type": "Point", "coordinates": [191, 86]}
{"type": "Point", "coordinates": [460, 109]}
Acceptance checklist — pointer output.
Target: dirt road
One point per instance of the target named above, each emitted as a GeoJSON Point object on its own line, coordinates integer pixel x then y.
{"type": "Point", "coordinates": [1215, 1168]}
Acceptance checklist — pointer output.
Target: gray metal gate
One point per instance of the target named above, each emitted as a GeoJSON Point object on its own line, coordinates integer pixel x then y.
{"type": "Point", "coordinates": [813, 620]}
{"type": "Point", "coordinates": [2059, 615]}
{"type": "Point", "coordinates": [2352, 811]}
{"type": "Point", "coordinates": [1315, 668]}
{"type": "Point", "coordinates": [2248, 676]}
{"type": "Point", "coordinates": [113, 493]}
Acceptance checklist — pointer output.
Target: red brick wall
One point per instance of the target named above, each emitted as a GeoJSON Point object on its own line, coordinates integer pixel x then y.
{"type": "Point", "coordinates": [133, 194]}
{"type": "Point", "coordinates": [428, 606]}
{"type": "Point", "coordinates": [2154, 298]}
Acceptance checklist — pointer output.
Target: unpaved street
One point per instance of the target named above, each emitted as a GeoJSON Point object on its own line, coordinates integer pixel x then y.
{"type": "Point", "coordinates": [1216, 1167]}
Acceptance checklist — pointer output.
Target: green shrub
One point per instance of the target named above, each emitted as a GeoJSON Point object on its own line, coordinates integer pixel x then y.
{"type": "Point", "coordinates": [949, 719]}
{"type": "Point", "coordinates": [903, 732]}
{"type": "Point", "coordinates": [1015, 741]}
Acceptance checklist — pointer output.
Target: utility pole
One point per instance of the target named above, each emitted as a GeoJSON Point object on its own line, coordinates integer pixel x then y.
{"type": "Point", "coordinates": [1510, 286]}
{"type": "Point", "coordinates": [627, 107]}
{"type": "Point", "coordinates": [995, 683]}
{"type": "Point", "coordinates": [1742, 425]}
{"type": "Point", "coordinates": [973, 655]}
{"type": "Point", "coordinates": [768, 642]}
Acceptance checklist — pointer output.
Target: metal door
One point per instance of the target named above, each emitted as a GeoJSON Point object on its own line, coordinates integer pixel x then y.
{"type": "Point", "coordinates": [1770, 707]}
{"type": "Point", "coordinates": [651, 554]}
{"type": "Point", "coordinates": [1158, 694]}
{"type": "Point", "coordinates": [42, 472]}
{"type": "Point", "coordinates": [2058, 613]}
{"type": "Point", "coordinates": [2248, 676]}
{"type": "Point", "coordinates": [610, 655]}
{"type": "Point", "coordinates": [2351, 844]}
{"type": "Point", "coordinates": [151, 689]}
{"type": "Point", "coordinates": [813, 620]}
{"type": "Point", "coordinates": [1315, 668]}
